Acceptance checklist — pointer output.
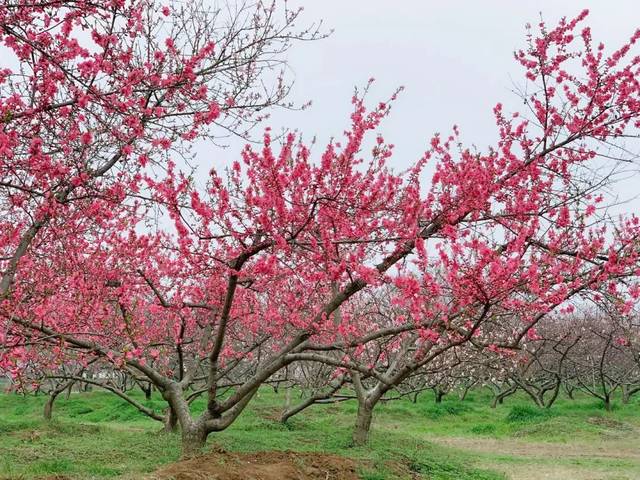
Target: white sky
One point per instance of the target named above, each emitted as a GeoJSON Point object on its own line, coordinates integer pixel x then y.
{"type": "Point", "coordinates": [455, 59]}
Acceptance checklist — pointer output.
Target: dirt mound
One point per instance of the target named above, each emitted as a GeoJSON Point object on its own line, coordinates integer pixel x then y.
{"type": "Point", "coordinates": [221, 465]}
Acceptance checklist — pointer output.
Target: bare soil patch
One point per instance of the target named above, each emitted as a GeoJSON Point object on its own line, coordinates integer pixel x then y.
{"type": "Point", "coordinates": [220, 465]}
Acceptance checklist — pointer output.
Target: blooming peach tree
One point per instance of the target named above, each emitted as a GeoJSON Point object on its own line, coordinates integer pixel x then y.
{"type": "Point", "coordinates": [272, 262]}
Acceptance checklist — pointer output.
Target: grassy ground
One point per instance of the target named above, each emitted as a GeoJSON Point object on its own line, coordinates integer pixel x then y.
{"type": "Point", "coordinates": [95, 435]}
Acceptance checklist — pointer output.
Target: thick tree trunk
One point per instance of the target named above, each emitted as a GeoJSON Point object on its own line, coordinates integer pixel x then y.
{"type": "Point", "coordinates": [607, 403]}
{"type": "Point", "coordinates": [439, 395]}
{"type": "Point", "coordinates": [194, 438]}
{"type": "Point", "coordinates": [363, 424]}
{"type": "Point", "coordinates": [193, 432]}
{"type": "Point", "coordinates": [367, 400]}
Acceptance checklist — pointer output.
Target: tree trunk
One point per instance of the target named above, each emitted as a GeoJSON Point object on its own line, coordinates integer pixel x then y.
{"type": "Point", "coordinates": [538, 400]}
{"type": "Point", "coordinates": [439, 395]}
{"type": "Point", "coordinates": [147, 391]}
{"type": "Point", "coordinates": [48, 406]}
{"type": "Point", "coordinates": [170, 421]}
{"type": "Point", "coordinates": [554, 396]}
{"type": "Point", "coordinates": [194, 438]}
{"type": "Point", "coordinates": [569, 392]}
{"type": "Point", "coordinates": [498, 398]}
{"type": "Point", "coordinates": [463, 393]}
{"type": "Point", "coordinates": [607, 403]}
{"type": "Point", "coordinates": [363, 424]}
{"type": "Point", "coordinates": [626, 395]}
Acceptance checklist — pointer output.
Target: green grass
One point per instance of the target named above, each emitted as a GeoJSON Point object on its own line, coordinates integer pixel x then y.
{"type": "Point", "coordinates": [96, 435]}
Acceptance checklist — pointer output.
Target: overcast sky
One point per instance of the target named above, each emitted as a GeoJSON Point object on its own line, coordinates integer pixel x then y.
{"type": "Point", "coordinates": [454, 58]}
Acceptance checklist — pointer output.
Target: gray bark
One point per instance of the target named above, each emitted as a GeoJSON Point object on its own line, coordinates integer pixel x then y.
{"type": "Point", "coordinates": [363, 424]}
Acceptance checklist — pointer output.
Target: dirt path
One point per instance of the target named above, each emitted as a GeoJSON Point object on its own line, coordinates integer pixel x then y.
{"type": "Point", "coordinates": [610, 460]}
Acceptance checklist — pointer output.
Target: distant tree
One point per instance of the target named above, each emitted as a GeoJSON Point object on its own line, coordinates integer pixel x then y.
{"type": "Point", "coordinates": [540, 368]}
{"type": "Point", "coordinates": [600, 363]}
